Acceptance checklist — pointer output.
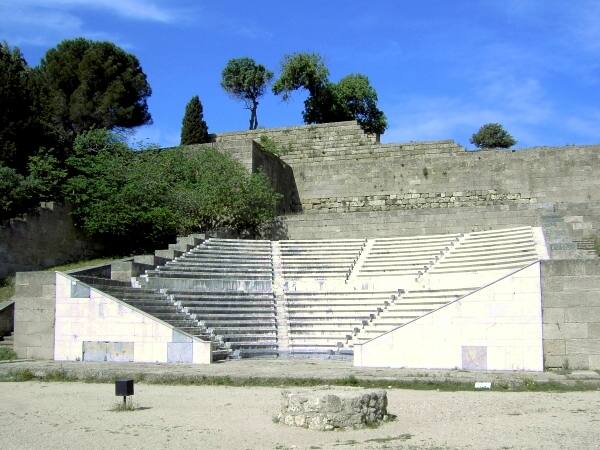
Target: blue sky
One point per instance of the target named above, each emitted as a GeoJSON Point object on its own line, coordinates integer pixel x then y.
{"type": "Point", "coordinates": [441, 68]}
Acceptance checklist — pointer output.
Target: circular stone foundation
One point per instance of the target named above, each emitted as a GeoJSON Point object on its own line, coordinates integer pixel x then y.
{"type": "Point", "coordinates": [333, 409]}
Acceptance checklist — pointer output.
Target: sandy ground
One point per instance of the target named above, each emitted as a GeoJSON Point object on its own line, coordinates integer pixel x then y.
{"type": "Point", "coordinates": [77, 415]}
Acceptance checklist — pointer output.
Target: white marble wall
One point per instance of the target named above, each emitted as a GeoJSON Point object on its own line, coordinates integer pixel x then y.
{"type": "Point", "coordinates": [97, 317]}
{"type": "Point", "coordinates": [496, 328]}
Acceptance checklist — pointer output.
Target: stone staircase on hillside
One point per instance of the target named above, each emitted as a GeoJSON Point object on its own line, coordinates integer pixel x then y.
{"type": "Point", "coordinates": [227, 285]}
{"type": "Point", "coordinates": [245, 322]}
{"type": "Point", "coordinates": [332, 259]}
{"type": "Point", "coordinates": [219, 265]}
{"type": "Point", "coordinates": [319, 297]}
{"type": "Point", "coordinates": [369, 150]}
{"type": "Point", "coordinates": [322, 323]}
{"type": "Point", "coordinates": [474, 260]}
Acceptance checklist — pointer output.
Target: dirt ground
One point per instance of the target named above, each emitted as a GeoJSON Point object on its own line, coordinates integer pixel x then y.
{"type": "Point", "coordinates": [78, 415]}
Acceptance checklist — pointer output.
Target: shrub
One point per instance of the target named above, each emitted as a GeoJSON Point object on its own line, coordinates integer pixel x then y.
{"type": "Point", "coordinates": [7, 354]}
{"type": "Point", "coordinates": [14, 193]}
{"type": "Point", "coordinates": [492, 135]}
{"type": "Point", "coordinates": [137, 201]}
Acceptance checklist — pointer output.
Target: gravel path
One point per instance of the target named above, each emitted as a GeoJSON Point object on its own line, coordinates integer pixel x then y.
{"type": "Point", "coordinates": [77, 415]}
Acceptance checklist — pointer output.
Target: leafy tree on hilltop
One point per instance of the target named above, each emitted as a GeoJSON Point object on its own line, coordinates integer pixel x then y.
{"type": "Point", "coordinates": [194, 129]}
{"type": "Point", "coordinates": [492, 135]}
{"type": "Point", "coordinates": [358, 100]}
{"type": "Point", "coordinates": [301, 70]}
{"type": "Point", "coordinates": [89, 84]}
{"type": "Point", "coordinates": [18, 127]}
{"type": "Point", "coordinates": [352, 98]}
{"type": "Point", "coordinates": [246, 80]}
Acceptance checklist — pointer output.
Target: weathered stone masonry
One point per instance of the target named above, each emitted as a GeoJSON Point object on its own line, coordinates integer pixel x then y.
{"type": "Point", "coordinates": [414, 200]}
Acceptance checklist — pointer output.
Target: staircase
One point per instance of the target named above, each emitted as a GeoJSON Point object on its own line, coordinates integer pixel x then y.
{"type": "Point", "coordinates": [245, 322]}
{"type": "Point", "coordinates": [158, 305]}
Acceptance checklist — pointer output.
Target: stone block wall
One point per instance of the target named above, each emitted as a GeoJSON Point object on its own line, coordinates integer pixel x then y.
{"type": "Point", "coordinates": [280, 175]}
{"type": "Point", "coordinates": [43, 238]}
{"type": "Point", "coordinates": [306, 139]}
{"type": "Point", "coordinates": [571, 313]}
{"type": "Point", "coordinates": [552, 175]}
{"type": "Point", "coordinates": [35, 314]}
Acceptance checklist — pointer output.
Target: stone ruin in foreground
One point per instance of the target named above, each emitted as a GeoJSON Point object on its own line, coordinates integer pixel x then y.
{"type": "Point", "coordinates": [419, 255]}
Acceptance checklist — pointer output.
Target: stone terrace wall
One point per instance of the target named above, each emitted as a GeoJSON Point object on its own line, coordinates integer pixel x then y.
{"type": "Point", "coordinates": [44, 238]}
{"type": "Point", "coordinates": [348, 185]}
{"type": "Point", "coordinates": [308, 139]}
{"type": "Point", "coordinates": [571, 314]}
{"type": "Point", "coordinates": [395, 179]}
{"type": "Point", "coordinates": [438, 186]}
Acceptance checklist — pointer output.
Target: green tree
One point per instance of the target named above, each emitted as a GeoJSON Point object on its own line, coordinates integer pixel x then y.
{"type": "Point", "coordinates": [246, 80]}
{"type": "Point", "coordinates": [14, 195]}
{"type": "Point", "coordinates": [89, 84]}
{"type": "Point", "coordinates": [358, 101]}
{"type": "Point", "coordinates": [46, 176]}
{"type": "Point", "coordinates": [194, 129]}
{"type": "Point", "coordinates": [301, 70]}
{"type": "Point", "coordinates": [492, 135]}
{"type": "Point", "coordinates": [352, 98]}
{"type": "Point", "coordinates": [18, 130]}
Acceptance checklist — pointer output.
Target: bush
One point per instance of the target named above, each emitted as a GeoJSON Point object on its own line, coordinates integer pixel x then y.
{"type": "Point", "coordinates": [492, 135]}
{"type": "Point", "coordinates": [46, 178]}
{"type": "Point", "coordinates": [137, 201]}
{"type": "Point", "coordinates": [7, 354]}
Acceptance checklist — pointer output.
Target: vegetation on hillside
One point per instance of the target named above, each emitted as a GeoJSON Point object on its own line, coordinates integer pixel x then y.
{"type": "Point", "coordinates": [138, 201]}
{"type": "Point", "coordinates": [352, 98]}
{"type": "Point", "coordinates": [79, 85]}
{"type": "Point", "coordinates": [492, 135]}
{"type": "Point", "coordinates": [7, 288]}
{"type": "Point", "coordinates": [59, 141]}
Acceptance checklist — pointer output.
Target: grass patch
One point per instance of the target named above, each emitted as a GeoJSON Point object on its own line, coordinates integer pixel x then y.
{"type": "Point", "coordinates": [7, 288]}
{"type": "Point", "coordinates": [597, 245]}
{"type": "Point", "coordinates": [516, 385]}
{"type": "Point", "coordinates": [124, 407]}
{"type": "Point", "coordinates": [7, 354]}
{"type": "Point", "coordinates": [269, 145]}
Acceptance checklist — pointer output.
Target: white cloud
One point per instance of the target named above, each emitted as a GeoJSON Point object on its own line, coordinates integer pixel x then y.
{"type": "Point", "coordinates": [130, 9]}
{"type": "Point", "coordinates": [519, 103]}
{"type": "Point", "coordinates": [45, 22]}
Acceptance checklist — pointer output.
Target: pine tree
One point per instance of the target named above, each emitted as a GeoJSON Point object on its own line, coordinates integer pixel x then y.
{"type": "Point", "coordinates": [193, 128]}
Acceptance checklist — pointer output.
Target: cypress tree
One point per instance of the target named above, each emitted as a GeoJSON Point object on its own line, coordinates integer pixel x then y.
{"type": "Point", "coordinates": [193, 128]}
